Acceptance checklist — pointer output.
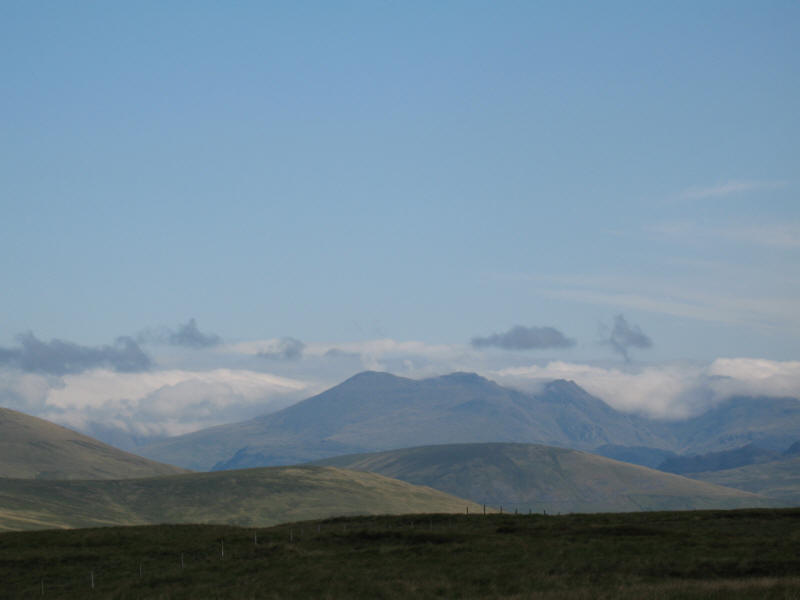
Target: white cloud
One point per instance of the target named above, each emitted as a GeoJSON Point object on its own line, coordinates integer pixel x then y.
{"type": "Point", "coordinates": [755, 376]}
{"type": "Point", "coordinates": [153, 403]}
{"type": "Point", "coordinates": [175, 401]}
{"type": "Point", "coordinates": [661, 392]}
{"type": "Point", "coordinates": [672, 391]}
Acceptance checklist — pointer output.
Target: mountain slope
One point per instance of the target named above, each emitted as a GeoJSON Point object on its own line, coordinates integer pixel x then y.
{"type": "Point", "coordinates": [378, 411]}
{"type": "Point", "coordinates": [771, 423]}
{"type": "Point", "coordinates": [637, 455]}
{"type": "Point", "coordinates": [32, 448]}
{"type": "Point", "coordinates": [535, 477]}
{"type": "Point", "coordinates": [718, 461]}
{"type": "Point", "coordinates": [257, 497]}
{"type": "Point", "coordinates": [778, 479]}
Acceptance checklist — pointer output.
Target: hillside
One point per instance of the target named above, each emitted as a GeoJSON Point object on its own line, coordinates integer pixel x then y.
{"type": "Point", "coordinates": [538, 478]}
{"type": "Point", "coordinates": [257, 497]}
{"type": "Point", "coordinates": [32, 448]}
{"type": "Point", "coordinates": [778, 479]}
{"type": "Point", "coordinates": [378, 411]}
{"type": "Point", "coordinates": [718, 461]}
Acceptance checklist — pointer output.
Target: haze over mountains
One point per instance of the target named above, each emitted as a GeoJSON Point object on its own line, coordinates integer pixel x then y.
{"type": "Point", "coordinates": [481, 433]}
{"type": "Point", "coordinates": [379, 411]}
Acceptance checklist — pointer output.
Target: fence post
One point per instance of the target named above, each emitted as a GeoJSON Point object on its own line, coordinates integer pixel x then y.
{"type": "Point", "coordinates": [181, 560]}
{"type": "Point", "coordinates": [91, 578]}
{"type": "Point", "coordinates": [222, 549]}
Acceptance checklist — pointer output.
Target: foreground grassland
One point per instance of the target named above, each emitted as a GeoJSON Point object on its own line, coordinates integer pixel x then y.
{"type": "Point", "coordinates": [708, 554]}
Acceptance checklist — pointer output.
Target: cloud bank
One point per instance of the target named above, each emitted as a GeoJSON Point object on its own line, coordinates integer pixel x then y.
{"type": "Point", "coordinates": [525, 338]}
{"type": "Point", "coordinates": [670, 391]}
{"type": "Point", "coordinates": [111, 403]}
{"type": "Point", "coordinates": [150, 404]}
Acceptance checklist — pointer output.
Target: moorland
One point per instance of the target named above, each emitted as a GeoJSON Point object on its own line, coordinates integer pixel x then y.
{"type": "Point", "coordinates": [690, 554]}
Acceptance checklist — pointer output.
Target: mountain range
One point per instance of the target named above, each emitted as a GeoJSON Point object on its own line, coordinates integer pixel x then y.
{"type": "Point", "coordinates": [378, 411]}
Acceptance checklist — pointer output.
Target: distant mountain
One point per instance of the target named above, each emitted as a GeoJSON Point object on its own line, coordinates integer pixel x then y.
{"type": "Point", "coordinates": [779, 479]}
{"type": "Point", "coordinates": [793, 450]}
{"type": "Point", "coordinates": [718, 461]}
{"type": "Point", "coordinates": [33, 448]}
{"type": "Point", "coordinates": [378, 411]}
{"type": "Point", "coordinates": [541, 478]}
{"type": "Point", "coordinates": [254, 497]}
{"type": "Point", "coordinates": [771, 423]}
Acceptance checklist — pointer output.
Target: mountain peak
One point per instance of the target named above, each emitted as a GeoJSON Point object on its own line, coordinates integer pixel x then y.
{"type": "Point", "coordinates": [464, 377]}
{"type": "Point", "coordinates": [564, 386]}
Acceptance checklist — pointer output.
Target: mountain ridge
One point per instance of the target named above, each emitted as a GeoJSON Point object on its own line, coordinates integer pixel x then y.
{"type": "Point", "coordinates": [374, 411]}
{"type": "Point", "coordinates": [542, 478]}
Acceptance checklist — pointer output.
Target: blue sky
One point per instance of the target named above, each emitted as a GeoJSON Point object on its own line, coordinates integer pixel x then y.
{"type": "Point", "coordinates": [339, 172]}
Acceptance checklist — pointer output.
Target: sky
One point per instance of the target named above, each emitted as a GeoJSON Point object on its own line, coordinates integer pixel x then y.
{"type": "Point", "coordinates": [211, 210]}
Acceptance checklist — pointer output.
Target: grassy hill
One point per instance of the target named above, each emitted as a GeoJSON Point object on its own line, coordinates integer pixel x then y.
{"type": "Point", "coordinates": [693, 555]}
{"type": "Point", "coordinates": [37, 449]}
{"type": "Point", "coordinates": [257, 497]}
{"type": "Point", "coordinates": [537, 478]}
{"type": "Point", "coordinates": [778, 479]}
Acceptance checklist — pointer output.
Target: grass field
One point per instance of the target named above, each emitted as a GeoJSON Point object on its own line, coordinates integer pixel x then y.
{"type": "Point", "coordinates": [703, 554]}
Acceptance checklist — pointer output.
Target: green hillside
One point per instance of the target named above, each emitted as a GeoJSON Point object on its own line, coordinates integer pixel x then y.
{"type": "Point", "coordinates": [538, 478]}
{"type": "Point", "coordinates": [257, 497]}
{"type": "Point", "coordinates": [32, 448]}
{"type": "Point", "coordinates": [778, 479]}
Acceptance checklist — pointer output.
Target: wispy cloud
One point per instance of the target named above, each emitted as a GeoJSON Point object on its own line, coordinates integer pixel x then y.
{"type": "Point", "coordinates": [729, 188]}
{"type": "Point", "coordinates": [525, 338]}
{"type": "Point", "coordinates": [784, 235]}
{"type": "Point", "coordinates": [762, 313]}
